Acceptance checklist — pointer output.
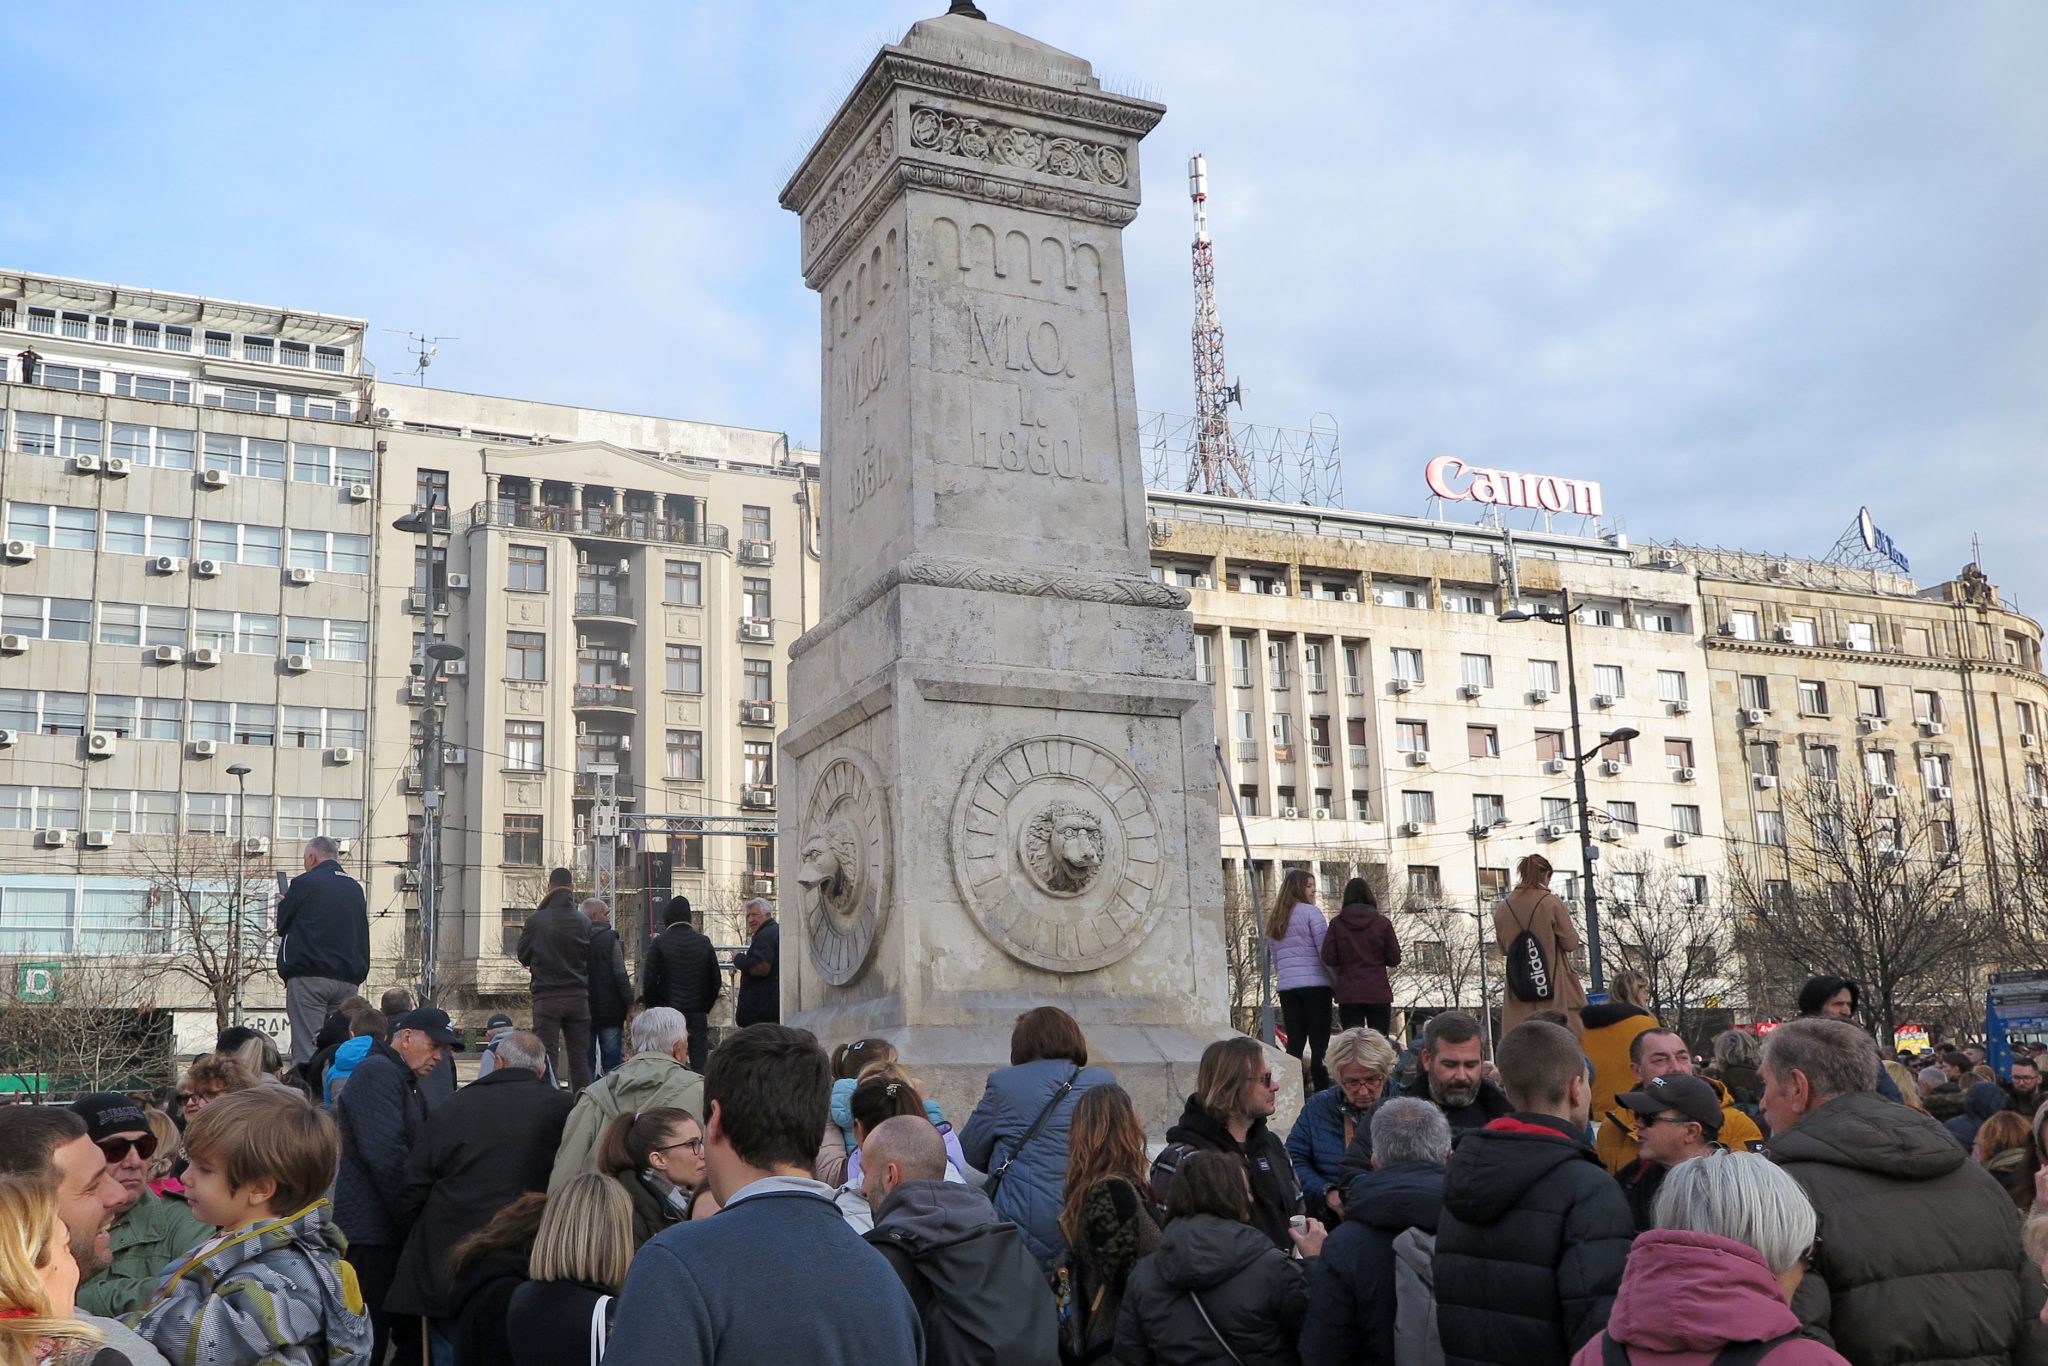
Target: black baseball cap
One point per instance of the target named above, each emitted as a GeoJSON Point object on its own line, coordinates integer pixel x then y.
{"type": "Point", "coordinates": [1689, 1096]}
{"type": "Point", "coordinates": [500, 1021]}
{"type": "Point", "coordinates": [107, 1113]}
{"type": "Point", "coordinates": [431, 1021]}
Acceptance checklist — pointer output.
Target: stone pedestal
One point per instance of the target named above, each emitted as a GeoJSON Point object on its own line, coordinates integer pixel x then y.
{"type": "Point", "coordinates": [999, 782]}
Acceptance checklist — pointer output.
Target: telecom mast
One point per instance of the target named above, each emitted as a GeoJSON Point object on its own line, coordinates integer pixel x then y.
{"type": "Point", "coordinates": [1217, 466]}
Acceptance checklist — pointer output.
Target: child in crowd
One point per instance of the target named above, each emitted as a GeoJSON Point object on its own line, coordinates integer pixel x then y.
{"type": "Point", "coordinates": [271, 1287]}
{"type": "Point", "coordinates": [853, 1063]}
{"type": "Point", "coordinates": [365, 1027]}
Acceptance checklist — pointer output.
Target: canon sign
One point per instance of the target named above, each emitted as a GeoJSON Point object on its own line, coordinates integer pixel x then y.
{"type": "Point", "coordinates": [1451, 478]}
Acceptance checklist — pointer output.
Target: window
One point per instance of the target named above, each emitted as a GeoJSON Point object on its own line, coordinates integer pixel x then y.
{"type": "Point", "coordinates": [522, 840]}
{"type": "Point", "coordinates": [138, 533]}
{"type": "Point", "coordinates": [337, 552]}
{"type": "Point", "coordinates": [320, 728]}
{"type": "Point", "coordinates": [1880, 766]}
{"type": "Point", "coordinates": [56, 528]}
{"type": "Point", "coordinates": [1763, 758]}
{"type": "Point", "coordinates": [687, 853]}
{"type": "Point", "coordinates": [1424, 882]}
{"type": "Point", "coordinates": [325, 639]}
{"type": "Point", "coordinates": [754, 524]}
{"type": "Point", "coordinates": [1770, 828]}
{"type": "Point", "coordinates": [164, 448]}
{"type": "Point", "coordinates": [757, 680]}
{"type": "Point", "coordinates": [1419, 807]}
{"type": "Point", "coordinates": [1755, 691]}
{"type": "Point", "coordinates": [239, 544]}
{"type": "Point", "coordinates": [1623, 816]}
{"type": "Point", "coordinates": [1823, 763]}
{"type": "Point", "coordinates": [430, 490]}
{"type": "Point", "coordinates": [1493, 883]}
{"type": "Point", "coordinates": [1870, 701]}
{"type": "Point", "coordinates": [1544, 676]}
{"type": "Point", "coordinates": [1283, 734]}
{"type": "Point", "coordinates": [1617, 750]}
{"type": "Point", "coordinates": [1802, 631]}
{"type": "Point", "coordinates": [682, 584]}
{"type": "Point", "coordinates": [686, 756]}
{"type": "Point", "coordinates": [526, 569]}
{"type": "Point", "coordinates": [255, 723]}
{"type": "Point", "coordinates": [1277, 665]}
{"type": "Point", "coordinates": [1240, 661]}
{"type": "Point", "coordinates": [336, 465]}
{"type": "Point", "coordinates": [240, 633]}
{"type": "Point", "coordinates": [1465, 600]}
{"type": "Point", "coordinates": [1665, 619]}
{"type": "Point", "coordinates": [1482, 742]}
{"type": "Point", "coordinates": [755, 601]}
{"type": "Point", "coordinates": [1677, 754]}
{"type": "Point", "coordinates": [1926, 707]}
{"type": "Point", "coordinates": [685, 668]}
{"type": "Point", "coordinates": [1813, 697]}
{"type": "Point", "coordinates": [252, 457]}
{"type": "Point", "coordinates": [1313, 677]}
{"type": "Point", "coordinates": [1408, 665]}
{"type": "Point", "coordinates": [129, 623]}
{"type": "Point", "coordinates": [1744, 625]}
{"type": "Point", "coordinates": [1476, 670]}
{"type": "Point", "coordinates": [1248, 798]}
{"type": "Point", "coordinates": [430, 570]}
{"type": "Point", "coordinates": [1671, 685]}
{"type": "Point", "coordinates": [1607, 679]}
{"type": "Point", "coordinates": [759, 759]}
{"type": "Point", "coordinates": [1626, 889]}
{"type": "Point", "coordinates": [1361, 804]}
{"type": "Point", "coordinates": [1686, 820]}
{"type": "Point", "coordinates": [523, 746]}
{"type": "Point", "coordinates": [1400, 593]}
{"type": "Point", "coordinates": [1600, 614]}
{"type": "Point", "coordinates": [1934, 771]}
{"type": "Point", "coordinates": [1411, 737]}
{"type": "Point", "coordinates": [1205, 657]}
{"type": "Point", "coordinates": [2023, 712]}
{"type": "Point", "coordinates": [1354, 671]}
{"type": "Point", "coordinates": [256, 349]}
{"type": "Point", "coordinates": [1862, 635]}
{"type": "Point", "coordinates": [35, 433]}
{"type": "Point", "coordinates": [46, 618]}
{"type": "Point", "coordinates": [1488, 810]}
{"type": "Point", "coordinates": [526, 656]}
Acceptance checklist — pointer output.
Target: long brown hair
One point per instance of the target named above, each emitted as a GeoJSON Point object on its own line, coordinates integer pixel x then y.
{"type": "Point", "coordinates": [1104, 1142]}
{"type": "Point", "coordinates": [633, 1135]}
{"type": "Point", "coordinates": [1298, 886]}
{"type": "Point", "coordinates": [511, 1230]}
{"type": "Point", "coordinates": [1533, 871]}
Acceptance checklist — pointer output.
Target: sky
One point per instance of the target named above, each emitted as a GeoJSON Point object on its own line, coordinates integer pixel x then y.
{"type": "Point", "coordinates": [1751, 265]}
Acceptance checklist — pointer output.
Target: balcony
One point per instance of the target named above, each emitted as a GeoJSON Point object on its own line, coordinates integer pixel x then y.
{"type": "Point", "coordinates": [605, 606]}
{"type": "Point", "coordinates": [1247, 750]}
{"type": "Point", "coordinates": [595, 522]}
{"type": "Point", "coordinates": [1354, 755]}
{"type": "Point", "coordinates": [1321, 755]}
{"type": "Point", "coordinates": [586, 787]}
{"type": "Point", "coordinates": [604, 697]}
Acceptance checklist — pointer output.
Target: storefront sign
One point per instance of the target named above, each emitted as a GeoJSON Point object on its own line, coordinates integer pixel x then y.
{"type": "Point", "coordinates": [1452, 479]}
{"type": "Point", "coordinates": [1878, 543]}
{"type": "Point", "coordinates": [1911, 1036]}
{"type": "Point", "coordinates": [37, 981]}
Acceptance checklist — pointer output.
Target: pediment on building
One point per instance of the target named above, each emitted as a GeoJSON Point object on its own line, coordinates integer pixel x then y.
{"type": "Point", "coordinates": [588, 462]}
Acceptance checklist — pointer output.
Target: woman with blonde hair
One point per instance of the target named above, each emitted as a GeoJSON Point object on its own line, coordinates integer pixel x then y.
{"type": "Point", "coordinates": [580, 1257]}
{"type": "Point", "coordinates": [1909, 1088]}
{"type": "Point", "coordinates": [38, 1281]}
{"type": "Point", "coordinates": [1539, 974]}
{"type": "Point", "coordinates": [1364, 1061]}
{"type": "Point", "coordinates": [1295, 931]}
{"type": "Point", "coordinates": [1108, 1213]}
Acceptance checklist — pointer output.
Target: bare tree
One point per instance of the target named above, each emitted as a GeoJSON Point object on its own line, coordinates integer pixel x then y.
{"type": "Point", "coordinates": [1440, 951]}
{"type": "Point", "coordinates": [189, 886]}
{"type": "Point", "coordinates": [1867, 886]}
{"type": "Point", "coordinates": [1659, 923]}
{"type": "Point", "coordinates": [1244, 947]}
{"type": "Point", "coordinates": [90, 1027]}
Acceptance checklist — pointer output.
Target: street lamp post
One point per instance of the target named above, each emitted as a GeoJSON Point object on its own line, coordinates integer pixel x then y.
{"type": "Point", "coordinates": [1580, 758]}
{"type": "Point", "coordinates": [1479, 917]}
{"type": "Point", "coordinates": [240, 773]}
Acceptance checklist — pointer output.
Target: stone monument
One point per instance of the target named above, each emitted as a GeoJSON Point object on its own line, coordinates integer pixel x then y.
{"type": "Point", "coordinates": [999, 776]}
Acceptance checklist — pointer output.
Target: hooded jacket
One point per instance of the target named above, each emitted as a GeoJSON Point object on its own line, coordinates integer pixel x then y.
{"type": "Point", "coordinates": [323, 926]}
{"type": "Point", "coordinates": [155, 1232]}
{"type": "Point", "coordinates": [1358, 950]}
{"type": "Point", "coordinates": [276, 1293]}
{"type": "Point", "coordinates": [1298, 954]}
{"type": "Point", "coordinates": [555, 945]}
{"type": "Point", "coordinates": [1531, 1245]}
{"type": "Point", "coordinates": [1980, 1103]}
{"type": "Point", "coordinates": [1490, 1104]}
{"type": "Point", "coordinates": [1034, 1186]}
{"type": "Point", "coordinates": [1276, 1195]}
{"type": "Point", "coordinates": [645, 1081]}
{"type": "Point", "coordinates": [1255, 1295]}
{"type": "Point", "coordinates": [1351, 1298]}
{"type": "Point", "coordinates": [1619, 1146]}
{"type": "Point", "coordinates": [1920, 1259]}
{"type": "Point", "coordinates": [1688, 1295]}
{"type": "Point", "coordinates": [975, 1284]}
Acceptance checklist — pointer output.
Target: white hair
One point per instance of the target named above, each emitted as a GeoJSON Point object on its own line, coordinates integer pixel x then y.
{"type": "Point", "coordinates": [594, 905]}
{"type": "Point", "coordinates": [659, 1029]}
{"type": "Point", "coordinates": [324, 847]}
{"type": "Point", "coordinates": [1744, 1197]}
{"type": "Point", "coordinates": [1361, 1047]}
{"type": "Point", "coordinates": [759, 903]}
{"type": "Point", "coordinates": [1409, 1129]}
{"type": "Point", "coordinates": [520, 1048]}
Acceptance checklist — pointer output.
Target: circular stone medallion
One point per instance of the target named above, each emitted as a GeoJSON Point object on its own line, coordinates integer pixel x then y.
{"type": "Point", "coordinates": [843, 868]}
{"type": "Point", "coordinates": [1056, 849]}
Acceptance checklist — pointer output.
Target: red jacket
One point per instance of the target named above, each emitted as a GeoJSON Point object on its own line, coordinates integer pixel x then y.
{"type": "Point", "coordinates": [1358, 951]}
{"type": "Point", "coordinates": [1685, 1296]}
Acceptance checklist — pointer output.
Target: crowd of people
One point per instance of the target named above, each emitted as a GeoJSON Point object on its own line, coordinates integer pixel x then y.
{"type": "Point", "coordinates": [1595, 1192]}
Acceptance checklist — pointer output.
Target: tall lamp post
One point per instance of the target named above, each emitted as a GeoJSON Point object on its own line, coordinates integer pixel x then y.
{"type": "Point", "coordinates": [1479, 916]}
{"type": "Point", "coordinates": [433, 655]}
{"type": "Point", "coordinates": [240, 773]}
{"type": "Point", "coordinates": [1580, 757]}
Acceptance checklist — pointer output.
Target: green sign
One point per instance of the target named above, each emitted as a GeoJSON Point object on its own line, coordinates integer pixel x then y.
{"type": "Point", "coordinates": [36, 981]}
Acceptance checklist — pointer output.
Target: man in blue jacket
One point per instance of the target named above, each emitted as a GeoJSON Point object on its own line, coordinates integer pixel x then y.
{"type": "Point", "coordinates": [323, 951]}
{"type": "Point", "coordinates": [694, 1295]}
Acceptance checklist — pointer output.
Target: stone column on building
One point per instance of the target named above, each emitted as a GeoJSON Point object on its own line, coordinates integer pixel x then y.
{"type": "Point", "coordinates": [999, 776]}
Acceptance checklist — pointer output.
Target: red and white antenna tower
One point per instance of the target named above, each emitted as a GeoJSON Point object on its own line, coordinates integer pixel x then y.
{"type": "Point", "coordinates": [1217, 466]}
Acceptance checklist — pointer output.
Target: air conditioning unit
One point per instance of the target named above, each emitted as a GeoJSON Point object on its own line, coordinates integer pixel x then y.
{"type": "Point", "coordinates": [298, 578]}
{"type": "Point", "coordinates": [1320, 813]}
{"type": "Point", "coordinates": [2028, 739]}
{"type": "Point", "coordinates": [1539, 695]}
{"type": "Point", "coordinates": [1603, 699]}
{"type": "Point", "coordinates": [1940, 794]}
{"type": "Point", "coordinates": [86, 464]}
{"type": "Point", "coordinates": [2039, 800]}
{"type": "Point", "coordinates": [764, 884]}
{"type": "Point", "coordinates": [20, 552]}
{"type": "Point", "coordinates": [455, 668]}
{"type": "Point", "coordinates": [1290, 813]}
{"type": "Point", "coordinates": [1686, 775]}
{"type": "Point", "coordinates": [1753, 716]}
{"type": "Point", "coordinates": [1679, 837]}
{"type": "Point", "coordinates": [1471, 690]}
{"type": "Point", "coordinates": [1612, 833]}
{"type": "Point", "coordinates": [416, 602]}
{"type": "Point", "coordinates": [1411, 828]}
{"type": "Point", "coordinates": [8, 738]}
{"type": "Point", "coordinates": [1766, 781]}
{"type": "Point", "coordinates": [1885, 789]}
{"type": "Point", "coordinates": [459, 582]}
{"type": "Point", "coordinates": [206, 569]}
{"type": "Point", "coordinates": [53, 839]}
{"type": "Point", "coordinates": [757, 713]}
{"type": "Point", "coordinates": [455, 756]}
{"type": "Point", "coordinates": [297, 664]}
{"type": "Point", "coordinates": [757, 630]}
{"type": "Point", "coordinates": [205, 657]}
{"type": "Point", "coordinates": [167, 564]}
{"type": "Point", "coordinates": [357, 493]}
{"type": "Point", "coordinates": [1419, 758]}
{"type": "Point", "coordinates": [96, 839]}
{"type": "Point", "coordinates": [101, 744]}
{"type": "Point", "coordinates": [1404, 685]}
{"type": "Point", "coordinates": [1845, 644]}
{"type": "Point", "coordinates": [256, 846]}
{"type": "Point", "coordinates": [213, 479]}
{"type": "Point", "coordinates": [759, 797]}
{"type": "Point", "coordinates": [409, 780]}
{"type": "Point", "coordinates": [757, 552]}
{"type": "Point", "coordinates": [341, 754]}
{"type": "Point", "coordinates": [12, 644]}
{"type": "Point", "coordinates": [1933, 728]}
{"type": "Point", "coordinates": [116, 467]}
{"type": "Point", "coordinates": [344, 847]}
{"type": "Point", "coordinates": [1726, 628]}
{"type": "Point", "coordinates": [1247, 586]}
{"type": "Point", "coordinates": [1680, 707]}
{"type": "Point", "coordinates": [1783, 633]}
{"type": "Point", "coordinates": [1556, 832]}
{"type": "Point", "coordinates": [1204, 581]}
{"type": "Point", "coordinates": [1612, 767]}
{"type": "Point", "coordinates": [1556, 766]}
{"type": "Point", "coordinates": [167, 654]}
{"type": "Point", "coordinates": [1278, 590]}
{"type": "Point", "coordinates": [1348, 595]}
{"type": "Point", "coordinates": [203, 749]}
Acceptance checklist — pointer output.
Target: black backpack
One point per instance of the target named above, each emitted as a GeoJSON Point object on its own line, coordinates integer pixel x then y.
{"type": "Point", "coordinates": [982, 1296]}
{"type": "Point", "coordinates": [1528, 972]}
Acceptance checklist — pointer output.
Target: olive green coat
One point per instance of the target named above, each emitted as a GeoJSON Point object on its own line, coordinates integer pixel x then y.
{"type": "Point", "coordinates": [152, 1237]}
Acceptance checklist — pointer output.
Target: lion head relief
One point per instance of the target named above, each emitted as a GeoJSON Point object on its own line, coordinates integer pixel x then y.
{"type": "Point", "coordinates": [831, 864]}
{"type": "Point", "coordinates": [1064, 846]}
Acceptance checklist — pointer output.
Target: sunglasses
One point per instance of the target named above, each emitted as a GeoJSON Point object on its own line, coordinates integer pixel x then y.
{"type": "Point", "coordinates": [117, 1149]}
{"type": "Point", "coordinates": [1262, 1078]}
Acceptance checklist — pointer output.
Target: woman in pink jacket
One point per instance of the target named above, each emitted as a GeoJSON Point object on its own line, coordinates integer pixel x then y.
{"type": "Point", "coordinates": [1295, 930]}
{"type": "Point", "coordinates": [1734, 1235]}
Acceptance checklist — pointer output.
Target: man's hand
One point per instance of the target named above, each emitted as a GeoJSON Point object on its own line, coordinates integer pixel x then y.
{"type": "Point", "coordinates": [1334, 1198]}
{"type": "Point", "coordinates": [1308, 1240]}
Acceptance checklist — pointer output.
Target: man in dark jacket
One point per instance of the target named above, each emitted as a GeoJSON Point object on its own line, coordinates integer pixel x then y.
{"type": "Point", "coordinates": [1235, 1094]}
{"type": "Point", "coordinates": [491, 1143]}
{"type": "Point", "coordinates": [681, 972]}
{"type": "Point", "coordinates": [975, 1284]}
{"type": "Point", "coordinates": [323, 950]}
{"type": "Point", "coordinates": [380, 1115]}
{"type": "Point", "coordinates": [1352, 1297]}
{"type": "Point", "coordinates": [1534, 1233]}
{"type": "Point", "coordinates": [1920, 1258]}
{"type": "Point", "coordinates": [555, 949]}
{"type": "Point", "coordinates": [1838, 998]}
{"type": "Point", "coordinates": [760, 968]}
{"type": "Point", "coordinates": [1452, 1078]}
{"type": "Point", "coordinates": [611, 990]}
{"type": "Point", "coordinates": [2024, 1086]}
{"type": "Point", "coordinates": [1678, 1117]}
{"type": "Point", "coordinates": [438, 1085]}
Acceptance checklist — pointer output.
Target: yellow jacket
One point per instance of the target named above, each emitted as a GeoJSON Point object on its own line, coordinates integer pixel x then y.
{"type": "Point", "coordinates": [1609, 1029]}
{"type": "Point", "coordinates": [1616, 1142]}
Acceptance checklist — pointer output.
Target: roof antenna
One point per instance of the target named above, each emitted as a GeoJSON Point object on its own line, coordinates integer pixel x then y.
{"type": "Point", "coordinates": [422, 349]}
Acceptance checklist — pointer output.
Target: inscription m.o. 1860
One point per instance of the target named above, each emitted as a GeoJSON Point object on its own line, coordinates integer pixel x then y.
{"type": "Point", "coordinates": [1034, 438]}
{"type": "Point", "coordinates": [1013, 341]}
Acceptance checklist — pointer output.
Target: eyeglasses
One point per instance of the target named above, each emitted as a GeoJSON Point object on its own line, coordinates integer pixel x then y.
{"type": "Point", "coordinates": [1668, 1119]}
{"type": "Point", "coordinates": [1263, 1079]}
{"type": "Point", "coordinates": [117, 1149]}
{"type": "Point", "coordinates": [695, 1145]}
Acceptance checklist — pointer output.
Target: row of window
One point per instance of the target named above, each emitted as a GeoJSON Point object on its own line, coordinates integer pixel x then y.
{"type": "Point", "coordinates": [526, 751]}
{"type": "Point", "coordinates": [682, 581]}
{"type": "Point", "coordinates": [58, 527]}
{"type": "Point", "coordinates": [51, 712]}
{"type": "Point", "coordinates": [179, 448]}
{"type": "Point", "coordinates": [1816, 699]}
{"type": "Point", "coordinates": [48, 917]}
{"type": "Point", "coordinates": [136, 623]}
{"type": "Point", "coordinates": [1425, 884]}
{"type": "Point", "coordinates": [175, 338]}
{"type": "Point", "coordinates": [1406, 664]}
{"type": "Point", "coordinates": [157, 813]}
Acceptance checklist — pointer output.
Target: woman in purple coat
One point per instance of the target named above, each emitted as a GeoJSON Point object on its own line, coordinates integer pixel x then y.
{"type": "Point", "coordinates": [1295, 930]}
{"type": "Point", "coordinates": [1360, 948]}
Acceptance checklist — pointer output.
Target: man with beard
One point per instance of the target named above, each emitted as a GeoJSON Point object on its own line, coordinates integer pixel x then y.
{"type": "Point", "coordinates": [151, 1231]}
{"type": "Point", "coordinates": [1451, 1078]}
{"type": "Point", "coordinates": [53, 1143]}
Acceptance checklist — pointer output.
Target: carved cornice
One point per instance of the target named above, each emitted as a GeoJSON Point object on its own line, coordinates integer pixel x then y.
{"type": "Point", "coordinates": [1837, 655]}
{"type": "Point", "coordinates": [832, 206]}
{"type": "Point", "coordinates": [1013, 145]}
{"type": "Point", "coordinates": [983, 576]}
